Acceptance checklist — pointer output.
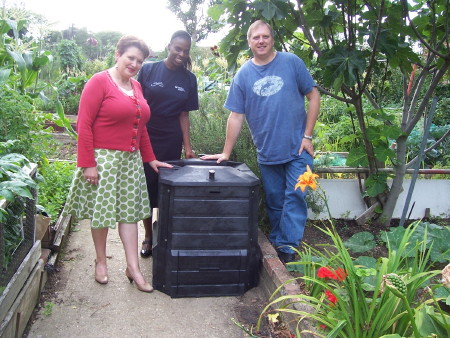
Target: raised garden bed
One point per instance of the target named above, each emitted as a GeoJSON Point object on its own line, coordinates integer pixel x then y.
{"type": "Point", "coordinates": [24, 269]}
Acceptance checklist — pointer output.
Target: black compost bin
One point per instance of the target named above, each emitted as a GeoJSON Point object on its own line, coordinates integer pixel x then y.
{"type": "Point", "coordinates": [206, 236]}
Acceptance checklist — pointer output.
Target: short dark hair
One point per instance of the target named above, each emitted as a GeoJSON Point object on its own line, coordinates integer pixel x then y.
{"type": "Point", "coordinates": [185, 36]}
{"type": "Point", "coordinates": [258, 23]}
{"type": "Point", "coordinates": [128, 41]}
{"type": "Point", "coordinates": [182, 35]}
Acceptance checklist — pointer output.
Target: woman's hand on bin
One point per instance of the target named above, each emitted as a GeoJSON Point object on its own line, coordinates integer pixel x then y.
{"type": "Point", "coordinates": [157, 164]}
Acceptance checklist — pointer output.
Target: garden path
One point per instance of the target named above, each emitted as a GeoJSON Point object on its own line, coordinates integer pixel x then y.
{"type": "Point", "coordinates": [83, 308]}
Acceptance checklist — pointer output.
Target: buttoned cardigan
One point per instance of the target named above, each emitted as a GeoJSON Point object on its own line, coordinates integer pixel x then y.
{"type": "Point", "coordinates": [110, 119]}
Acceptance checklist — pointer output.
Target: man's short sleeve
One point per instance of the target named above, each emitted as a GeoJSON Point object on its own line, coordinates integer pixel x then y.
{"type": "Point", "coordinates": [235, 101]}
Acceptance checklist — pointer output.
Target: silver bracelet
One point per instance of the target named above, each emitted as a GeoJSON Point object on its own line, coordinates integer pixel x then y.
{"type": "Point", "coordinates": [307, 137]}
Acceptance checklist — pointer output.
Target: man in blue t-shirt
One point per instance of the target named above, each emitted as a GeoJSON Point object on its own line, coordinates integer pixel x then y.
{"type": "Point", "coordinates": [269, 92]}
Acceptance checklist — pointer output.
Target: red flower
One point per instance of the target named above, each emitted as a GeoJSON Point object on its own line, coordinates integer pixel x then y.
{"type": "Point", "coordinates": [325, 273]}
{"type": "Point", "coordinates": [323, 327]}
{"type": "Point", "coordinates": [338, 274]}
{"type": "Point", "coordinates": [331, 297]}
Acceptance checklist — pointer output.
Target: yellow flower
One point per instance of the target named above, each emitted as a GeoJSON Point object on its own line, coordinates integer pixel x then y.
{"type": "Point", "coordinates": [307, 179]}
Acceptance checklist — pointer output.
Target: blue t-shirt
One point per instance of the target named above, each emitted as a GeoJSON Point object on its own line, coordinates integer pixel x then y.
{"type": "Point", "coordinates": [272, 97]}
{"type": "Point", "coordinates": [168, 93]}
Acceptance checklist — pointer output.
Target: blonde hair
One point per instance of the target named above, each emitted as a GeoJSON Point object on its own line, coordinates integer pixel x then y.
{"type": "Point", "coordinates": [257, 24]}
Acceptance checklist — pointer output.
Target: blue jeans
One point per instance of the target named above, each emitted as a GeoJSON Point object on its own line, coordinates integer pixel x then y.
{"type": "Point", "coordinates": [286, 207]}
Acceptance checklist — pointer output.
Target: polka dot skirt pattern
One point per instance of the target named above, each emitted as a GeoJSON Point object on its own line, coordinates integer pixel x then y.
{"type": "Point", "coordinates": [120, 195]}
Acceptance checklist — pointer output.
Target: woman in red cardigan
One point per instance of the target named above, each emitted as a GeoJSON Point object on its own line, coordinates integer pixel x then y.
{"type": "Point", "coordinates": [109, 185]}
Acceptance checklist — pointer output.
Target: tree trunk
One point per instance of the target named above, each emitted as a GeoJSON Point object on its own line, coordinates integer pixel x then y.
{"type": "Point", "coordinates": [362, 125]}
{"type": "Point", "coordinates": [397, 183]}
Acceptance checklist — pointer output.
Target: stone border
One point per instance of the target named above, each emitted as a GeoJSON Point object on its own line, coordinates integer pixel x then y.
{"type": "Point", "coordinates": [273, 275]}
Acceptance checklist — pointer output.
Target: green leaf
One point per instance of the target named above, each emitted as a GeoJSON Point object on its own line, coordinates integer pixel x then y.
{"type": "Point", "coordinates": [41, 60]}
{"type": "Point", "coordinates": [394, 236]}
{"type": "Point", "coordinates": [366, 272]}
{"type": "Point", "coordinates": [383, 153]}
{"type": "Point", "coordinates": [357, 157]}
{"type": "Point", "coordinates": [18, 58]}
{"type": "Point", "coordinates": [376, 184]}
{"type": "Point", "coordinates": [62, 120]}
{"type": "Point", "coordinates": [369, 287]}
{"type": "Point", "coordinates": [427, 322]}
{"type": "Point", "coordinates": [387, 43]}
{"type": "Point", "coordinates": [340, 62]}
{"type": "Point", "coordinates": [6, 194]}
{"type": "Point", "coordinates": [380, 115]}
{"type": "Point", "coordinates": [347, 139]}
{"type": "Point", "coordinates": [267, 9]}
{"type": "Point", "coordinates": [337, 329]}
{"type": "Point", "coordinates": [373, 133]}
{"type": "Point", "coordinates": [11, 24]}
{"type": "Point", "coordinates": [366, 261]}
{"type": "Point", "coordinates": [442, 292]}
{"type": "Point", "coordinates": [360, 242]}
{"type": "Point", "coordinates": [216, 11]}
{"type": "Point", "coordinates": [4, 75]}
{"type": "Point", "coordinates": [392, 132]}
{"type": "Point", "coordinates": [440, 251]}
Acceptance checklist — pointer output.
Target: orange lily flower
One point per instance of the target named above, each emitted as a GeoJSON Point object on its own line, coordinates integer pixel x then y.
{"type": "Point", "coordinates": [307, 179]}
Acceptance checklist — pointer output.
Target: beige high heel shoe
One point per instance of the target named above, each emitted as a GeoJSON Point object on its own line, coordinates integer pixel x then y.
{"type": "Point", "coordinates": [145, 287]}
{"type": "Point", "coordinates": [100, 278]}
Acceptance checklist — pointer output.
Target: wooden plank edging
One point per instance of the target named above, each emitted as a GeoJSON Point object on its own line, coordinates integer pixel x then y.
{"type": "Point", "coordinates": [17, 282]}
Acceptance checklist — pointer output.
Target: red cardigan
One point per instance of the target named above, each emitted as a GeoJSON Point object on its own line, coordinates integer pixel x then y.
{"type": "Point", "coordinates": [109, 119]}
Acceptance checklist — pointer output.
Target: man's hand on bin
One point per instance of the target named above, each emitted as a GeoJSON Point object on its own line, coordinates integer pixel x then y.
{"type": "Point", "coordinates": [219, 157]}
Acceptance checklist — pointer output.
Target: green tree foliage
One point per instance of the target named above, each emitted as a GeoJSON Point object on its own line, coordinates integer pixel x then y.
{"type": "Point", "coordinates": [192, 13]}
{"type": "Point", "coordinates": [361, 48]}
{"type": "Point", "coordinates": [69, 56]}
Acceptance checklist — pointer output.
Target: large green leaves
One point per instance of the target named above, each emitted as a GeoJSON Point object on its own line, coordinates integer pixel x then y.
{"type": "Point", "coordinates": [376, 184]}
{"type": "Point", "coordinates": [360, 242]}
{"type": "Point", "coordinates": [269, 9]}
{"type": "Point", "coordinates": [343, 66]}
{"type": "Point", "coordinates": [435, 237]}
{"type": "Point", "coordinates": [13, 180]}
{"type": "Point", "coordinates": [357, 157]}
{"type": "Point", "coordinates": [28, 62]}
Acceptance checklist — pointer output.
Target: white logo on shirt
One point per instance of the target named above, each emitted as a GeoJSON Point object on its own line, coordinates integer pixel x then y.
{"type": "Point", "coordinates": [157, 84]}
{"type": "Point", "coordinates": [268, 85]}
{"type": "Point", "coordinates": [180, 89]}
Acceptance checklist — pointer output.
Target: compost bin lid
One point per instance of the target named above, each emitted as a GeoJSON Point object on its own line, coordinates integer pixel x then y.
{"type": "Point", "coordinates": [196, 172]}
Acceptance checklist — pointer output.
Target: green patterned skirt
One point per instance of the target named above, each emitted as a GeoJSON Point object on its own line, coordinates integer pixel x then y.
{"type": "Point", "coordinates": [120, 195]}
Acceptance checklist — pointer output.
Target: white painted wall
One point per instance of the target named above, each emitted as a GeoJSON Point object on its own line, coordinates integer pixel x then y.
{"type": "Point", "coordinates": [344, 199]}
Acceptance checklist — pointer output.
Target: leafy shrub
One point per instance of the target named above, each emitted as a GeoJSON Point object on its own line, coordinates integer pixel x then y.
{"type": "Point", "coordinates": [18, 121]}
{"type": "Point", "coordinates": [54, 188]}
{"type": "Point", "coordinates": [14, 182]}
{"type": "Point", "coordinates": [13, 228]}
{"type": "Point", "coordinates": [69, 56]}
{"type": "Point", "coordinates": [438, 155]}
{"type": "Point", "coordinates": [15, 188]}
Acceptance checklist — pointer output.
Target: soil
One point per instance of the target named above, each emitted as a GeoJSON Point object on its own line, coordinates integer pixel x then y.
{"type": "Point", "coordinates": [316, 238]}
